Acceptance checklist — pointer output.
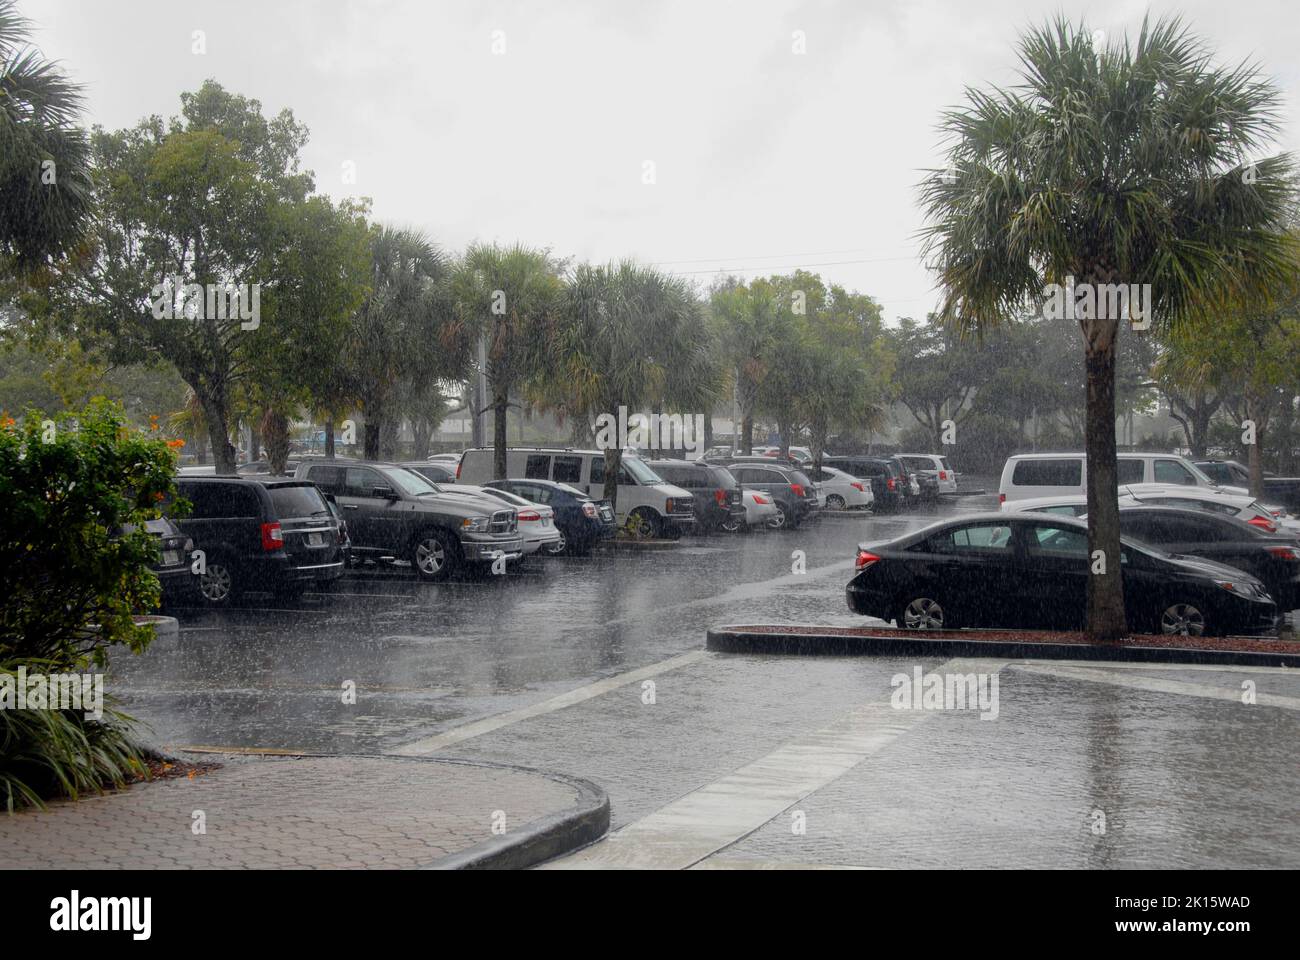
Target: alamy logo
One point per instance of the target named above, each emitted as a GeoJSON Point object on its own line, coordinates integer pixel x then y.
{"type": "Point", "coordinates": [658, 431]}
{"type": "Point", "coordinates": [57, 691]}
{"type": "Point", "coordinates": [946, 691]}
{"type": "Point", "coordinates": [74, 913]}
{"type": "Point", "coordinates": [174, 300]}
{"type": "Point", "coordinates": [1097, 301]}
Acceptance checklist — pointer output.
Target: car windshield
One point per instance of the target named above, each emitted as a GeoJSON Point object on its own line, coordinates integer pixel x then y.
{"type": "Point", "coordinates": [411, 483]}
{"type": "Point", "coordinates": [640, 472]}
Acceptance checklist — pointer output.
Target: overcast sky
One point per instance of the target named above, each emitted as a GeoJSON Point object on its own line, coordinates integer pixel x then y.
{"type": "Point", "coordinates": [764, 158]}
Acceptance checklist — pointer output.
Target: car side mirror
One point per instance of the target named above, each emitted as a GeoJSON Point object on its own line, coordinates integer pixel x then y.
{"type": "Point", "coordinates": [384, 493]}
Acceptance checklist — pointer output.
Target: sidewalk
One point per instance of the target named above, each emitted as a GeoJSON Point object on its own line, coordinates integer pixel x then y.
{"type": "Point", "coordinates": [317, 812]}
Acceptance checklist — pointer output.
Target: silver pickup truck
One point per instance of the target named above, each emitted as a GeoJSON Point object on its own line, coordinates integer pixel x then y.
{"type": "Point", "coordinates": [396, 514]}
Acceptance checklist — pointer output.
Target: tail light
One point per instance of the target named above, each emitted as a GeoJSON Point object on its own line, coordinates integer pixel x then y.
{"type": "Point", "coordinates": [890, 483]}
{"type": "Point", "coordinates": [796, 489]}
{"type": "Point", "coordinates": [858, 487]}
{"type": "Point", "coordinates": [759, 498]}
{"type": "Point", "coordinates": [1263, 523]}
{"type": "Point", "coordinates": [1002, 498]}
{"type": "Point", "coordinates": [529, 516]}
{"type": "Point", "coordinates": [864, 560]}
{"type": "Point", "coordinates": [272, 536]}
{"type": "Point", "coordinates": [943, 474]}
{"type": "Point", "coordinates": [589, 509]}
{"type": "Point", "coordinates": [459, 464]}
{"type": "Point", "coordinates": [1285, 553]}
{"type": "Point", "coordinates": [720, 495]}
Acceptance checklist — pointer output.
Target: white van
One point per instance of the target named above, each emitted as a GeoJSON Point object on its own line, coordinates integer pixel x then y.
{"type": "Point", "coordinates": [642, 493]}
{"type": "Point", "coordinates": [1030, 475]}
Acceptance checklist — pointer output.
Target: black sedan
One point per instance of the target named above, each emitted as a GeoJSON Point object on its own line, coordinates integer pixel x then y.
{"type": "Point", "coordinates": [1031, 571]}
{"type": "Point", "coordinates": [580, 519]}
{"type": "Point", "coordinates": [1274, 558]}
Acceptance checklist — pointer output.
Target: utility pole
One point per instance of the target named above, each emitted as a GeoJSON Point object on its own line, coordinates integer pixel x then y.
{"type": "Point", "coordinates": [480, 393]}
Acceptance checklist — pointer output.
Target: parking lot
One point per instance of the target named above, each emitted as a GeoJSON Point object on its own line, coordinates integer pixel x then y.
{"type": "Point", "coordinates": [595, 666]}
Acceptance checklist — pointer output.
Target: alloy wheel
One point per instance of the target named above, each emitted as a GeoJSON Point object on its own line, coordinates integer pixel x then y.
{"type": "Point", "coordinates": [923, 613]}
{"type": "Point", "coordinates": [216, 583]}
{"type": "Point", "coordinates": [1182, 619]}
{"type": "Point", "coordinates": [430, 556]}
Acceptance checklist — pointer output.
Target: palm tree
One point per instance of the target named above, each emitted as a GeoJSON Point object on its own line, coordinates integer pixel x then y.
{"type": "Point", "coordinates": [1128, 163]}
{"type": "Point", "coordinates": [44, 156]}
{"type": "Point", "coordinates": [508, 296]}
{"type": "Point", "coordinates": [604, 353]}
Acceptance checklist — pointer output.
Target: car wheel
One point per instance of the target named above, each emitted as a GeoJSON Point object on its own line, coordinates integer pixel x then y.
{"type": "Point", "coordinates": [730, 525]}
{"type": "Point", "coordinates": [923, 613]}
{"type": "Point", "coordinates": [435, 554]}
{"type": "Point", "coordinates": [1182, 619]}
{"type": "Point", "coordinates": [218, 584]}
{"type": "Point", "coordinates": [554, 548]}
{"type": "Point", "coordinates": [778, 520]}
{"type": "Point", "coordinates": [644, 523]}
{"type": "Point", "coordinates": [835, 502]}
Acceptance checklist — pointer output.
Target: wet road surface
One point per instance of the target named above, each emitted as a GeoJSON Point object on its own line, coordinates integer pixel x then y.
{"type": "Point", "coordinates": [595, 667]}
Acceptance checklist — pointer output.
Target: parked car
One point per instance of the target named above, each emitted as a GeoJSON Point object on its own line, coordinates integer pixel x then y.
{"type": "Point", "coordinates": [259, 533]}
{"type": "Point", "coordinates": [396, 514]}
{"type": "Point", "coordinates": [536, 520]}
{"type": "Point", "coordinates": [1162, 494]}
{"type": "Point", "coordinates": [718, 505]}
{"type": "Point", "coordinates": [790, 489]}
{"type": "Point", "coordinates": [439, 471]}
{"type": "Point", "coordinates": [173, 565]}
{"type": "Point", "coordinates": [760, 509]}
{"type": "Point", "coordinates": [1284, 491]}
{"type": "Point", "coordinates": [1029, 475]}
{"type": "Point", "coordinates": [580, 520]}
{"type": "Point", "coordinates": [913, 491]}
{"type": "Point", "coordinates": [345, 540]}
{"type": "Point", "coordinates": [1273, 559]}
{"type": "Point", "coordinates": [799, 455]}
{"type": "Point", "coordinates": [1031, 571]}
{"type": "Point", "coordinates": [842, 491]}
{"type": "Point", "coordinates": [885, 478]}
{"type": "Point", "coordinates": [662, 508]}
{"type": "Point", "coordinates": [939, 476]}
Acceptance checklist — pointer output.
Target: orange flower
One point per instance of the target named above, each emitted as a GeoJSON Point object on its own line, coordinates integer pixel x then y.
{"type": "Point", "coordinates": [176, 444]}
{"type": "Point", "coordinates": [153, 421]}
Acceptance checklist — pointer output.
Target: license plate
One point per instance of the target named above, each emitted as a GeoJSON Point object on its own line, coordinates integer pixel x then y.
{"type": "Point", "coordinates": [171, 558]}
{"type": "Point", "coordinates": [546, 521]}
{"type": "Point", "coordinates": [315, 540]}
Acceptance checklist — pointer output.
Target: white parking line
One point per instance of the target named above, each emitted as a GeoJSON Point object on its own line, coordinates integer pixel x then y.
{"type": "Point", "coordinates": [487, 725]}
{"type": "Point", "coordinates": [1158, 684]}
{"type": "Point", "coordinates": [693, 827]}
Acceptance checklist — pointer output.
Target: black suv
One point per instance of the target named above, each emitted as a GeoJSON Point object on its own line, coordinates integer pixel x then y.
{"type": "Point", "coordinates": [790, 489]}
{"type": "Point", "coordinates": [259, 534]}
{"type": "Point", "coordinates": [718, 502]}
{"type": "Point", "coordinates": [396, 514]}
{"type": "Point", "coordinates": [886, 476]}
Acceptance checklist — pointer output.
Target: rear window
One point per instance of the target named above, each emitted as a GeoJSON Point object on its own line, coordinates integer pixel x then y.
{"type": "Point", "coordinates": [329, 479]}
{"type": "Point", "coordinates": [1048, 473]}
{"type": "Point", "coordinates": [723, 478]}
{"type": "Point", "coordinates": [1130, 471]}
{"type": "Point", "coordinates": [537, 467]}
{"type": "Point", "coordinates": [304, 501]}
{"type": "Point", "coordinates": [568, 470]}
{"type": "Point", "coordinates": [218, 501]}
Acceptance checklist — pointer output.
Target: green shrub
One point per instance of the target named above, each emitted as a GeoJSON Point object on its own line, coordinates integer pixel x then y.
{"type": "Point", "coordinates": [75, 562]}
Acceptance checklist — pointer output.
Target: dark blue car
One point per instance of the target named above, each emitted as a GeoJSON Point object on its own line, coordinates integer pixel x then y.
{"type": "Point", "coordinates": [580, 519]}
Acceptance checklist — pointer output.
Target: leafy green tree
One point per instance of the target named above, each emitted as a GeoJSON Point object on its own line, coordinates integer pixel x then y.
{"type": "Point", "coordinates": [1128, 163]}
{"type": "Point", "coordinates": [749, 321]}
{"type": "Point", "coordinates": [44, 157]}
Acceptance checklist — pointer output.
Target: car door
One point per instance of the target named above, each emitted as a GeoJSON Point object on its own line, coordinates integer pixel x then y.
{"type": "Point", "coordinates": [372, 521]}
{"type": "Point", "coordinates": [1049, 586]}
{"type": "Point", "coordinates": [973, 564]}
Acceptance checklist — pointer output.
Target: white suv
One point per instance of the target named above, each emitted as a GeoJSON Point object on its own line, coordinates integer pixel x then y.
{"type": "Point", "coordinates": [1030, 475]}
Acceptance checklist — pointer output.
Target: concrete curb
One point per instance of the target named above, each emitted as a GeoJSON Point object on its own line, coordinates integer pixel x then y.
{"type": "Point", "coordinates": [634, 545]}
{"type": "Point", "coordinates": [536, 842]}
{"type": "Point", "coordinates": [742, 640]}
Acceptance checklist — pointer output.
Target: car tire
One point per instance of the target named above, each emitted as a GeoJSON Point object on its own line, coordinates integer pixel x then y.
{"type": "Point", "coordinates": [554, 548]}
{"type": "Point", "coordinates": [1181, 618]}
{"type": "Point", "coordinates": [731, 525]}
{"type": "Point", "coordinates": [649, 521]}
{"type": "Point", "coordinates": [778, 521]}
{"type": "Point", "coordinates": [435, 553]}
{"type": "Point", "coordinates": [836, 502]}
{"type": "Point", "coordinates": [924, 611]}
{"type": "Point", "coordinates": [220, 584]}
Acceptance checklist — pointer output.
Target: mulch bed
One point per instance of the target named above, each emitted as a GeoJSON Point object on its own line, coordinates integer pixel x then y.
{"type": "Point", "coordinates": [1231, 644]}
{"type": "Point", "coordinates": [161, 769]}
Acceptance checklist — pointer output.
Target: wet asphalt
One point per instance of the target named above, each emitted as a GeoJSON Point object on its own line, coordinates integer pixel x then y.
{"type": "Point", "coordinates": [595, 667]}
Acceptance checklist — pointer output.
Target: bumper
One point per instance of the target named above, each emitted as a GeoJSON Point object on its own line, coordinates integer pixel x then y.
{"type": "Point", "coordinates": [534, 543]}
{"type": "Point", "coordinates": [865, 601]}
{"type": "Point", "coordinates": [317, 572]}
{"type": "Point", "coordinates": [485, 551]}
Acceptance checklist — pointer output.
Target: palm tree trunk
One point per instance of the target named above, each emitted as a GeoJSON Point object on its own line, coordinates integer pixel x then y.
{"type": "Point", "coordinates": [275, 427]}
{"type": "Point", "coordinates": [214, 415]}
{"type": "Point", "coordinates": [500, 404]}
{"type": "Point", "coordinates": [1106, 619]}
{"type": "Point", "coordinates": [1254, 457]}
{"type": "Point", "coordinates": [372, 429]}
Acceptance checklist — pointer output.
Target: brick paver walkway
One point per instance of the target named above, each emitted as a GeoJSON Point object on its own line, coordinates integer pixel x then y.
{"type": "Point", "coordinates": [336, 812]}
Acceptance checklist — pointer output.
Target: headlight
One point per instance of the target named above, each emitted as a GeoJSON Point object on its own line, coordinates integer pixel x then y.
{"type": "Point", "coordinates": [1237, 587]}
{"type": "Point", "coordinates": [477, 524]}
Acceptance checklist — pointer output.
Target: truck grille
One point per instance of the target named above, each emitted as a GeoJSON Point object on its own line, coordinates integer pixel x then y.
{"type": "Point", "coordinates": [505, 521]}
